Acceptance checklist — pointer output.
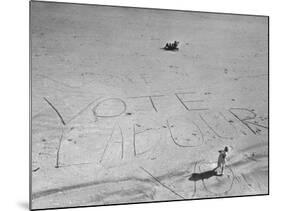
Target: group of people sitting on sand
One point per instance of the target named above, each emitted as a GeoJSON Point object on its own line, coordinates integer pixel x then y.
{"type": "Point", "coordinates": [172, 46]}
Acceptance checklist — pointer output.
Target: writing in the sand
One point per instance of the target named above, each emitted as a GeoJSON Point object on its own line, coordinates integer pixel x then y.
{"type": "Point", "coordinates": [182, 131]}
{"type": "Point", "coordinates": [219, 124]}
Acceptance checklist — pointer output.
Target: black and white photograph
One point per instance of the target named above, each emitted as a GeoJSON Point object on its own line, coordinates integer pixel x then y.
{"type": "Point", "coordinates": [135, 105]}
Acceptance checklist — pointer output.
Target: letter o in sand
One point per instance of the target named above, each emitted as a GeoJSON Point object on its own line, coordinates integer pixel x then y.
{"type": "Point", "coordinates": [184, 132]}
{"type": "Point", "coordinates": [218, 185]}
{"type": "Point", "coordinates": [110, 107]}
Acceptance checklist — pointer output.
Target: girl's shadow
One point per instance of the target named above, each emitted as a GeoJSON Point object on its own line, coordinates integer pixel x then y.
{"type": "Point", "coordinates": [204, 175]}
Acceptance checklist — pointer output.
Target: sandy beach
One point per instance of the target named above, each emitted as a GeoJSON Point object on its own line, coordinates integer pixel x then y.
{"type": "Point", "coordinates": [117, 119]}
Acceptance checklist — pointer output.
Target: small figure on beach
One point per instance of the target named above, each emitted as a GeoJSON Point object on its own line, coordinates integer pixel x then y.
{"type": "Point", "coordinates": [172, 46]}
{"type": "Point", "coordinates": [222, 159]}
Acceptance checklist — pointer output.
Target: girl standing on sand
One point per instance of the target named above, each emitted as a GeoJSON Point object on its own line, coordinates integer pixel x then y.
{"type": "Point", "coordinates": [222, 159]}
